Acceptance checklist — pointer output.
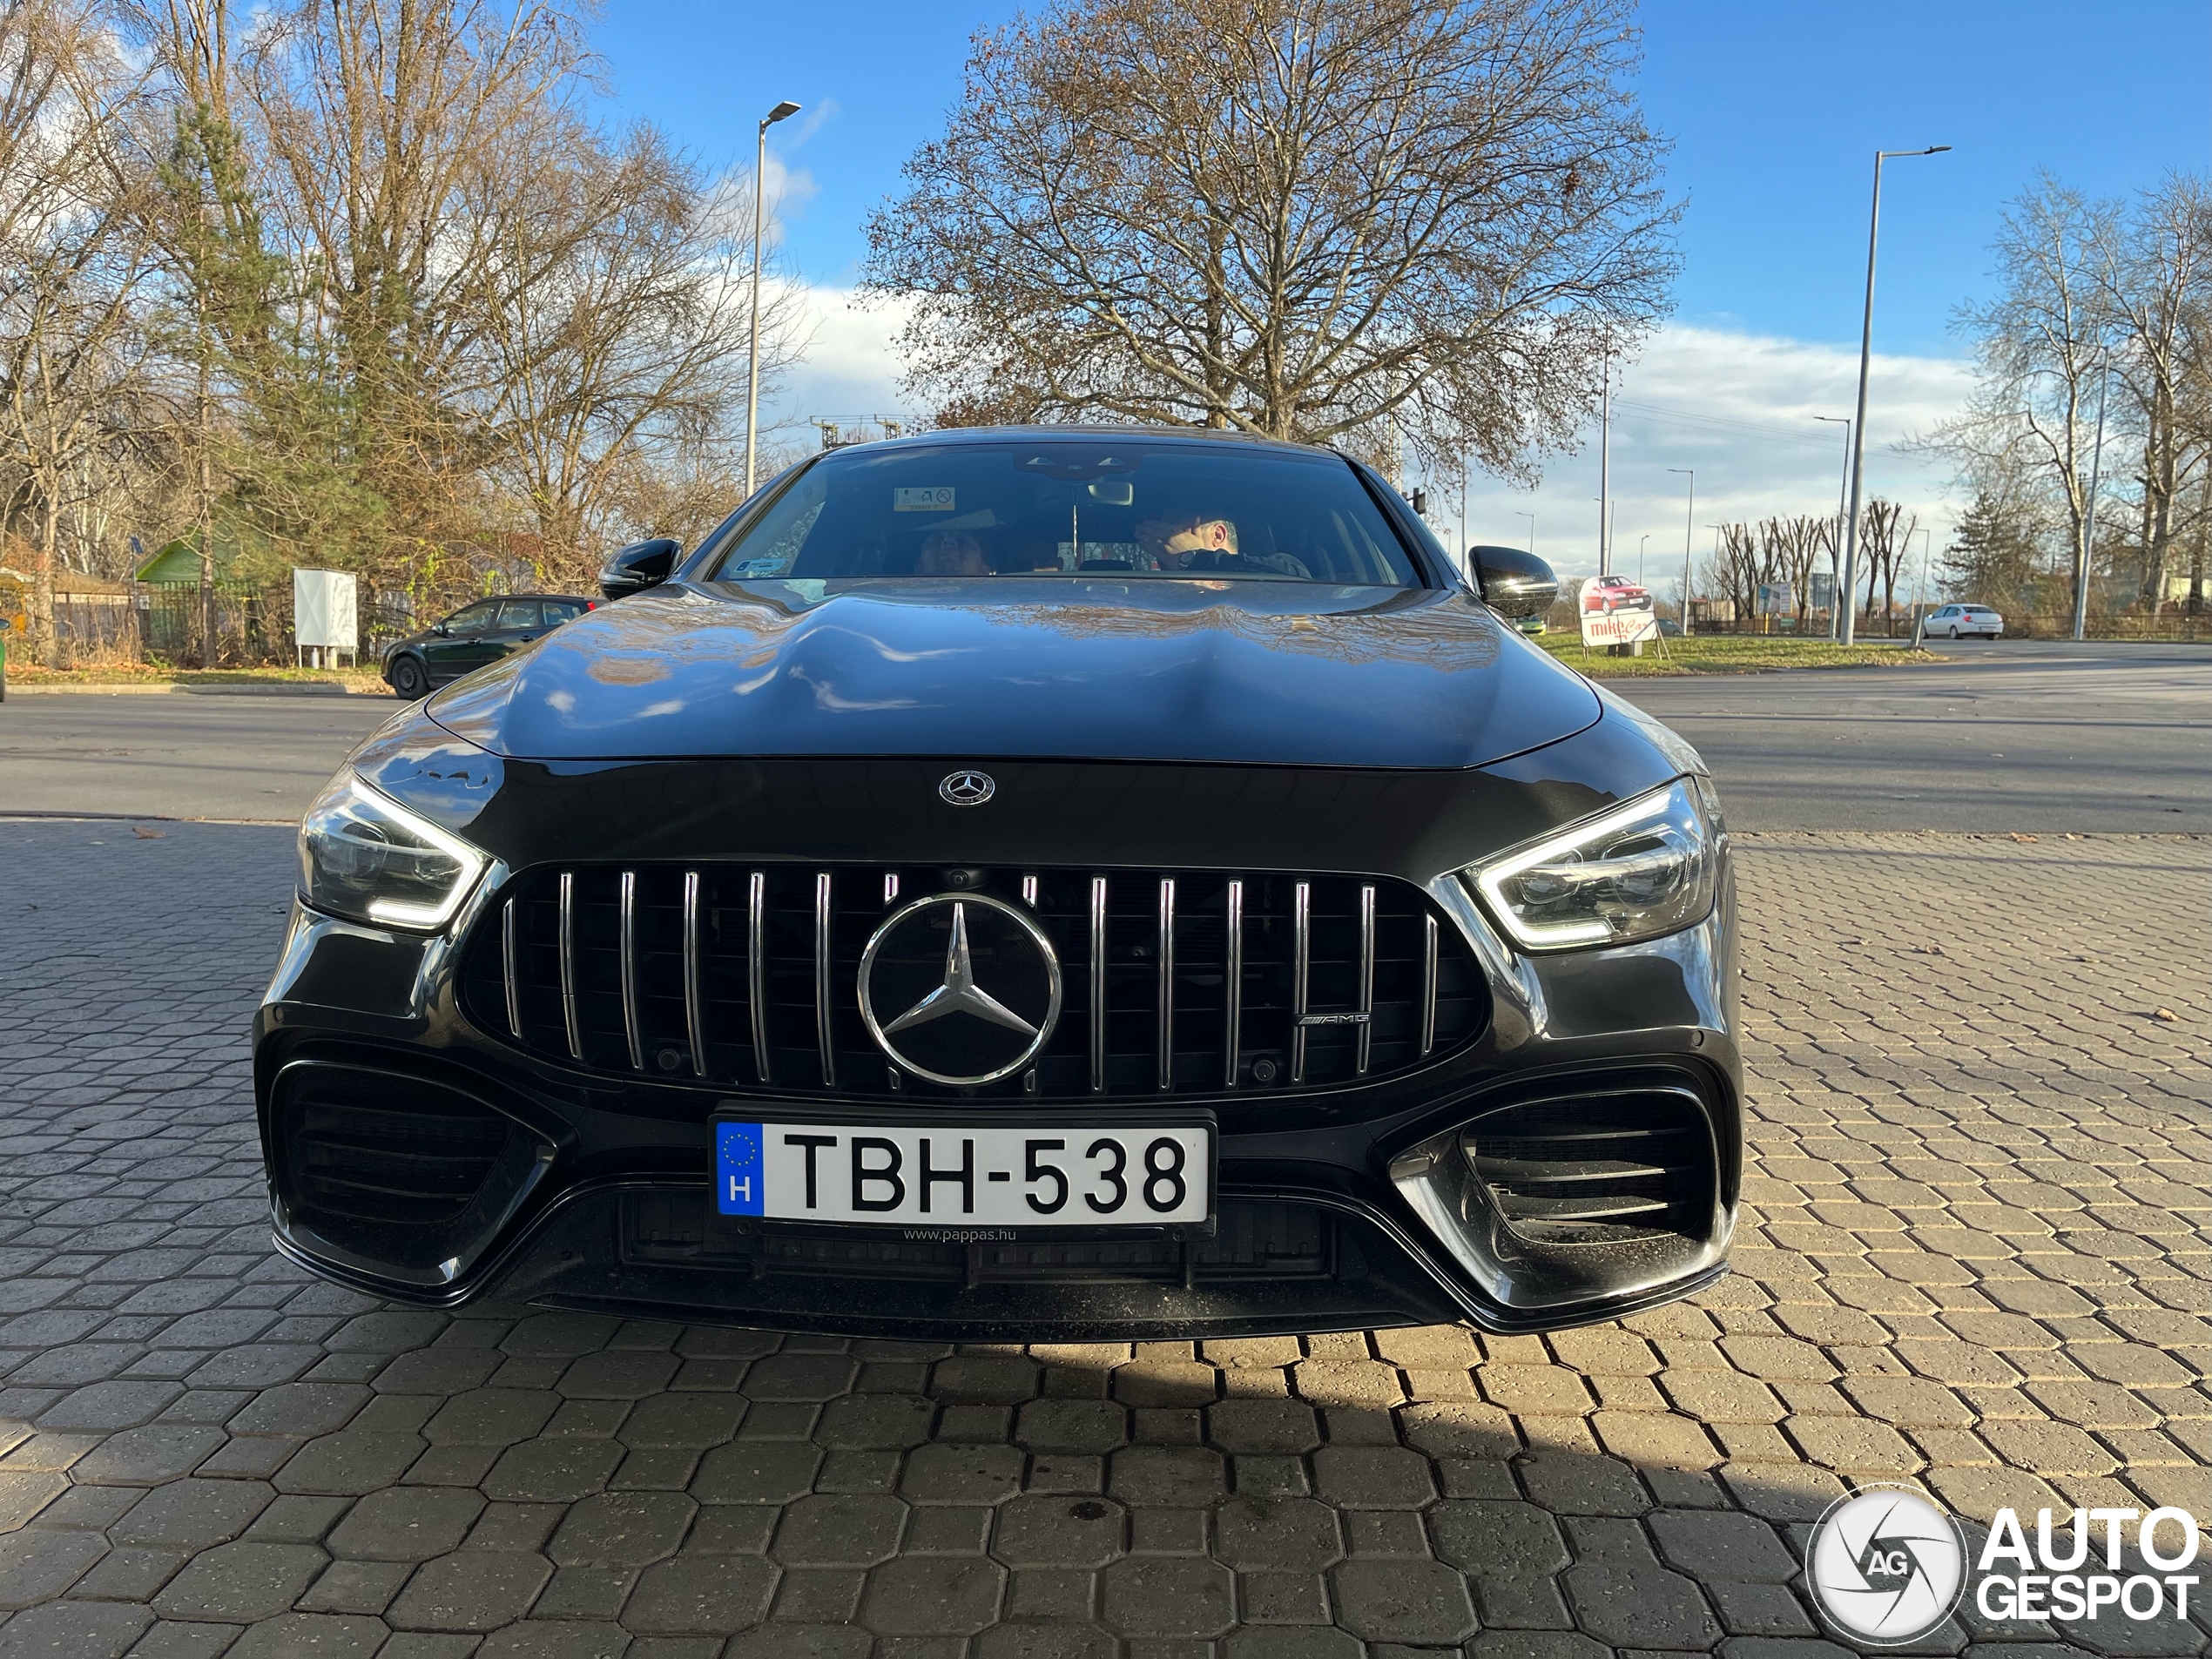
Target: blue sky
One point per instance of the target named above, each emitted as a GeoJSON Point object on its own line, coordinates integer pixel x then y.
{"type": "Point", "coordinates": [1775, 109]}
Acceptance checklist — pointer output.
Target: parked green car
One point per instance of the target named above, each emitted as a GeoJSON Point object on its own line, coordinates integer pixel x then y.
{"type": "Point", "coordinates": [473, 635]}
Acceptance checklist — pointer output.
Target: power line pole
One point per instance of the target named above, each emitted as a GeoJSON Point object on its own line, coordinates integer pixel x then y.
{"type": "Point", "coordinates": [2082, 554]}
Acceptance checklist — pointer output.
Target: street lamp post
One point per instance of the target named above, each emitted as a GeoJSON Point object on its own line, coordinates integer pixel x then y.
{"type": "Point", "coordinates": [782, 111]}
{"type": "Point", "coordinates": [1920, 603]}
{"type": "Point", "coordinates": [1641, 544]}
{"type": "Point", "coordinates": [1688, 516]}
{"type": "Point", "coordinates": [1845, 631]}
{"type": "Point", "coordinates": [1605, 471]}
{"type": "Point", "coordinates": [1531, 517]}
{"type": "Point", "coordinates": [1836, 548]}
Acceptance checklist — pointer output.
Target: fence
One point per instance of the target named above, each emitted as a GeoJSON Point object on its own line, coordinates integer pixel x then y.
{"type": "Point", "coordinates": [253, 623]}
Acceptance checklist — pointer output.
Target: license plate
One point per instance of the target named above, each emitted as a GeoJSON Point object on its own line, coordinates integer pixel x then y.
{"type": "Point", "coordinates": [1084, 1175]}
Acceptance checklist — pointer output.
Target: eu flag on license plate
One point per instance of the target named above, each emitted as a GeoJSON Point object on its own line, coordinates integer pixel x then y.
{"type": "Point", "coordinates": [736, 1168]}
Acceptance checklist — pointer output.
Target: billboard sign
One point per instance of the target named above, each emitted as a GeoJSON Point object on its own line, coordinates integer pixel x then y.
{"type": "Point", "coordinates": [1616, 611]}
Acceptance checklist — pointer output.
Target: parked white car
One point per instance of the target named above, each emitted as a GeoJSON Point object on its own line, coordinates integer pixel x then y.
{"type": "Point", "coordinates": [1954, 622]}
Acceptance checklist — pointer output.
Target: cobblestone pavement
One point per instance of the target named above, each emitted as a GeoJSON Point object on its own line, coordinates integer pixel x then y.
{"type": "Point", "coordinates": [1974, 1254]}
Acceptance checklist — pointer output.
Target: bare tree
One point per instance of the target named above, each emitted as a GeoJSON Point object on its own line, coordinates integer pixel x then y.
{"type": "Point", "coordinates": [2044, 342]}
{"type": "Point", "coordinates": [424, 318]}
{"type": "Point", "coordinates": [2153, 272]}
{"type": "Point", "coordinates": [1360, 221]}
{"type": "Point", "coordinates": [68, 265]}
{"type": "Point", "coordinates": [1743, 562]}
{"type": "Point", "coordinates": [620, 318]}
{"type": "Point", "coordinates": [1789, 547]}
{"type": "Point", "coordinates": [1885, 534]}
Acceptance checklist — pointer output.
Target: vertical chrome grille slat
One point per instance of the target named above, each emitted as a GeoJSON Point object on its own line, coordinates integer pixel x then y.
{"type": "Point", "coordinates": [1233, 980]}
{"type": "Point", "coordinates": [1301, 973]}
{"type": "Point", "coordinates": [694, 989]}
{"type": "Point", "coordinates": [1428, 984]}
{"type": "Point", "coordinates": [826, 978]}
{"type": "Point", "coordinates": [1098, 985]}
{"type": "Point", "coordinates": [890, 888]}
{"type": "Point", "coordinates": [510, 968]}
{"type": "Point", "coordinates": [1367, 1026]}
{"type": "Point", "coordinates": [630, 1026]}
{"type": "Point", "coordinates": [568, 965]}
{"type": "Point", "coordinates": [1029, 891]}
{"type": "Point", "coordinates": [756, 965]}
{"type": "Point", "coordinates": [1167, 981]}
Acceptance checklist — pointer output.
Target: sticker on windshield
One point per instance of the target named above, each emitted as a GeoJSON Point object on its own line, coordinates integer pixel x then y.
{"type": "Point", "coordinates": [907, 499]}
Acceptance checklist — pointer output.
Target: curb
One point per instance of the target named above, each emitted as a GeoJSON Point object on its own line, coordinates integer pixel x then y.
{"type": "Point", "coordinates": [167, 688]}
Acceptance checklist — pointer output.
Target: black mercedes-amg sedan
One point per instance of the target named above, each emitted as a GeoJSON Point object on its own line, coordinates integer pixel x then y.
{"type": "Point", "coordinates": [1020, 884]}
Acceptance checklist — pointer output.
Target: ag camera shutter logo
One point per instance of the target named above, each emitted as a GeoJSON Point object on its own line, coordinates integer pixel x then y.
{"type": "Point", "coordinates": [1886, 1566]}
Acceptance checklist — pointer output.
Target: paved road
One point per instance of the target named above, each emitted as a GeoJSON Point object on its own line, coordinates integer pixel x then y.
{"type": "Point", "coordinates": [182, 756]}
{"type": "Point", "coordinates": [1973, 1253]}
{"type": "Point", "coordinates": [2017, 736]}
{"type": "Point", "coordinates": [2020, 735]}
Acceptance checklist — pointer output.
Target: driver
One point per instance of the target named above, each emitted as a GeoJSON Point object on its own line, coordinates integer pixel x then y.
{"type": "Point", "coordinates": [1175, 543]}
{"type": "Point", "coordinates": [952, 553]}
{"type": "Point", "coordinates": [1201, 541]}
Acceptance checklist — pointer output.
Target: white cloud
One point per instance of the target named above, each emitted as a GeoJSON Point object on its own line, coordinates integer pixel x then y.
{"type": "Point", "coordinates": [789, 190]}
{"type": "Point", "coordinates": [1738, 406]}
{"type": "Point", "coordinates": [851, 370]}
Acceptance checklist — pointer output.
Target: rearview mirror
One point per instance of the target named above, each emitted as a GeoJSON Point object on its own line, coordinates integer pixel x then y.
{"type": "Point", "coordinates": [1513, 583]}
{"type": "Point", "coordinates": [639, 566]}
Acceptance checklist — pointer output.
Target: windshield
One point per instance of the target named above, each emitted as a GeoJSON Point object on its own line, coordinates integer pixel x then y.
{"type": "Point", "coordinates": [1090, 507]}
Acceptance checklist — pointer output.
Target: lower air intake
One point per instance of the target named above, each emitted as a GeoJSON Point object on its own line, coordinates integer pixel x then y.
{"type": "Point", "coordinates": [1609, 1170]}
{"type": "Point", "coordinates": [393, 1168]}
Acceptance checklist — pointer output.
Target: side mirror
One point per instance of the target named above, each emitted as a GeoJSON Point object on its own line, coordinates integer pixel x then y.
{"type": "Point", "coordinates": [637, 567]}
{"type": "Point", "coordinates": [1514, 584]}
{"type": "Point", "coordinates": [441, 630]}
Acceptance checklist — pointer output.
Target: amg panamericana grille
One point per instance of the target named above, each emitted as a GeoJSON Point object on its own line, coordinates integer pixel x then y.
{"type": "Point", "coordinates": [1176, 982]}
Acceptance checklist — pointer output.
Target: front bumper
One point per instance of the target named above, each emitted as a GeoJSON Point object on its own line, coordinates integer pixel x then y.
{"type": "Point", "coordinates": [418, 1149]}
{"type": "Point", "coordinates": [1355, 1207]}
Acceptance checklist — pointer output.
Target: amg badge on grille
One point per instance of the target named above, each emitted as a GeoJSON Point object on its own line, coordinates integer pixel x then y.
{"type": "Point", "coordinates": [968, 788]}
{"type": "Point", "coordinates": [961, 989]}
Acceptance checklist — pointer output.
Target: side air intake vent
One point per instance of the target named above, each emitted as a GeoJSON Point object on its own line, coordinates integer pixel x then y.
{"type": "Point", "coordinates": [1613, 1169]}
{"type": "Point", "coordinates": [393, 1170]}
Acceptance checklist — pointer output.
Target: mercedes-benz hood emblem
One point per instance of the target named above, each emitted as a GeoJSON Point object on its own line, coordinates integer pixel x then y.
{"type": "Point", "coordinates": [968, 788]}
{"type": "Point", "coordinates": [961, 989]}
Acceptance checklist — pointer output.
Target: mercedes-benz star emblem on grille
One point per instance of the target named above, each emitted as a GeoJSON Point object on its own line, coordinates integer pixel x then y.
{"type": "Point", "coordinates": [968, 788]}
{"type": "Point", "coordinates": [961, 989]}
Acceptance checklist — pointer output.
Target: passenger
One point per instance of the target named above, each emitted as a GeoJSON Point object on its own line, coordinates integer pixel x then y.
{"type": "Point", "coordinates": [952, 553]}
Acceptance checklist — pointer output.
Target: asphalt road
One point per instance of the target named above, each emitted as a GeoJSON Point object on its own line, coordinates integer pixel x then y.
{"type": "Point", "coordinates": [252, 759]}
{"type": "Point", "coordinates": [2019, 735]}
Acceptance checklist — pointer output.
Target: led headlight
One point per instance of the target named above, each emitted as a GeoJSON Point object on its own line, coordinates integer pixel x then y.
{"type": "Point", "coordinates": [366, 857]}
{"type": "Point", "coordinates": [1638, 872]}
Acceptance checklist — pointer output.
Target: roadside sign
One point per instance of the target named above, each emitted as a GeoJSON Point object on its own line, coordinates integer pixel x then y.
{"type": "Point", "coordinates": [1616, 611]}
{"type": "Point", "coordinates": [324, 615]}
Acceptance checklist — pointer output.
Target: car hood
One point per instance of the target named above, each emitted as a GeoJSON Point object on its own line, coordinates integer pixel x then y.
{"type": "Point", "coordinates": [1221, 671]}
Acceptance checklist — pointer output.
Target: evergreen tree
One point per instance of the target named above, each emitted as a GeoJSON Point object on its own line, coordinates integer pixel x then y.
{"type": "Point", "coordinates": [1993, 559]}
